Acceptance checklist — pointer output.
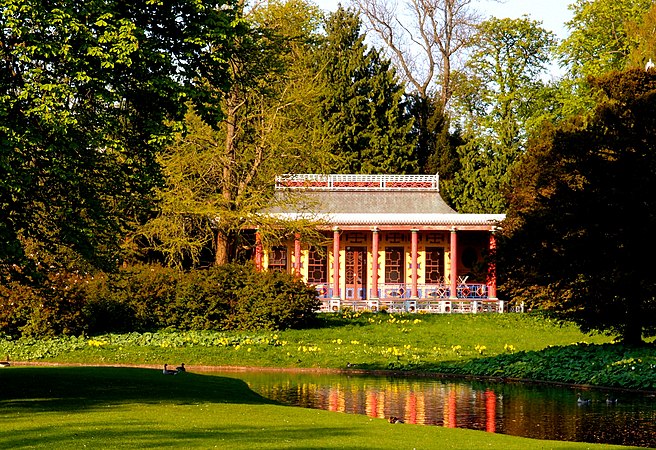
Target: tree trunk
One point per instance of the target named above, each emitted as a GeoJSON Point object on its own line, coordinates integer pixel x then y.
{"type": "Point", "coordinates": [222, 255]}
{"type": "Point", "coordinates": [222, 249]}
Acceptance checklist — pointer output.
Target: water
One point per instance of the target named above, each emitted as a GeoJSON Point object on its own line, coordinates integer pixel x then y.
{"type": "Point", "coordinates": [529, 410]}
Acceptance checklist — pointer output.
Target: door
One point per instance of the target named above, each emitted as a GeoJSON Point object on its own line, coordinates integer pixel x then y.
{"type": "Point", "coordinates": [356, 273]}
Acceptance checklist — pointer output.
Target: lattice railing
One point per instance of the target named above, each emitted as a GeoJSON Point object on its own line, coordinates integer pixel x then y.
{"type": "Point", "coordinates": [357, 181]}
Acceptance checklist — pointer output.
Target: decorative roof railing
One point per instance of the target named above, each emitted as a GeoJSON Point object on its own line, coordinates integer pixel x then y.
{"type": "Point", "coordinates": [336, 182]}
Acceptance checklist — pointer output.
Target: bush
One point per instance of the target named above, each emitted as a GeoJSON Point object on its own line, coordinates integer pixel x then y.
{"type": "Point", "coordinates": [274, 301]}
{"type": "Point", "coordinates": [152, 297]}
{"type": "Point", "coordinates": [53, 308]}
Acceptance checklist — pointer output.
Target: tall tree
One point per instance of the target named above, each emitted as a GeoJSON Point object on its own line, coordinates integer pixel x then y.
{"type": "Point", "coordinates": [363, 108]}
{"type": "Point", "coordinates": [582, 213]}
{"type": "Point", "coordinates": [425, 40]}
{"type": "Point", "coordinates": [500, 96]}
{"type": "Point", "coordinates": [218, 175]}
{"type": "Point", "coordinates": [88, 93]}
{"type": "Point", "coordinates": [599, 41]}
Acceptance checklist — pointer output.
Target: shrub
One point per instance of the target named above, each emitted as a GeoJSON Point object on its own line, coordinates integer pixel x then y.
{"type": "Point", "coordinates": [274, 301]}
{"type": "Point", "coordinates": [152, 297]}
{"type": "Point", "coordinates": [53, 308]}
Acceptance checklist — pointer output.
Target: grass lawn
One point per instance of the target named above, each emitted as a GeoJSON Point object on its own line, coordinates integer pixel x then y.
{"type": "Point", "coordinates": [106, 407]}
{"type": "Point", "coordinates": [370, 341]}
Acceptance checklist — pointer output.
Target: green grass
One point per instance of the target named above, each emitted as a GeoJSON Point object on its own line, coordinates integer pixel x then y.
{"type": "Point", "coordinates": [369, 341]}
{"type": "Point", "coordinates": [105, 407]}
{"type": "Point", "coordinates": [521, 346]}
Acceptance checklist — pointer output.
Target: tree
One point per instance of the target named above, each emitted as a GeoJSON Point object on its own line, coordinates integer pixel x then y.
{"type": "Point", "coordinates": [362, 108]}
{"type": "Point", "coordinates": [425, 40]}
{"type": "Point", "coordinates": [219, 175]}
{"type": "Point", "coordinates": [89, 93]}
{"type": "Point", "coordinates": [642, 33]}
{"type": "Point", "coordinates": [501, 95]}
{"type": "Point", "coordinates": [581, 214]}
{"type": "Point", "coordinates": [599, 41]}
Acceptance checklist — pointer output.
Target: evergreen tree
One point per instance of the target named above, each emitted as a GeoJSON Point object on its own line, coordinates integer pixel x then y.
{"type": "Point", "coordinates": [365, 122]}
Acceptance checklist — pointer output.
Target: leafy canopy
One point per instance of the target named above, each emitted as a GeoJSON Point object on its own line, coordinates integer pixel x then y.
{"type": "Point", "coordinates": [582, 214]}
{"type": "Point", "coordinates": [89, 92]}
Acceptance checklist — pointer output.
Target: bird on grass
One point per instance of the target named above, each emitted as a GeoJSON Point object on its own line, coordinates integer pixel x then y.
{"type": "Point", "coordinates": [394, 419]}
{"type": "Point", "coordinates": [168, 371]}
{"type": "Point", "coordinates": [583, 401]}
{"type": "Point", "coordinates": [181, 368]}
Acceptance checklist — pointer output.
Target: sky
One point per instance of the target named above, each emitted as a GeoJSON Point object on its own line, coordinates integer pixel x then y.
{"type": "Point", "coordinates": [552, 13]}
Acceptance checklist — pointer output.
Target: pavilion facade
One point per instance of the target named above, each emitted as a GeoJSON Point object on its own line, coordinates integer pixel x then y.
{"type": "Point", "coordinates": [391, 243]}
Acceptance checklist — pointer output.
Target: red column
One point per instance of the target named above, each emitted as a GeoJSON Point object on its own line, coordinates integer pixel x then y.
{"type": "Point", "coordinates": [454, 264]}
{"type": "Point", "coordinates": [492, 268]}
{"type": "Point", "coordinates": [258, 251]}
{"type": "Point", "coordinates": [414, 239]}
{"type": "Point", "coordinates": [336, 263]}
{"type": "Point", "coordinates": [297, 255]}
{"type": "Point", "coordinates": [374, 264]}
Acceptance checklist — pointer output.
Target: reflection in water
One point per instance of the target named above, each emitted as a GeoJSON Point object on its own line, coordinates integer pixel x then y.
{"type": "Point", "coordinates": [540, 412]}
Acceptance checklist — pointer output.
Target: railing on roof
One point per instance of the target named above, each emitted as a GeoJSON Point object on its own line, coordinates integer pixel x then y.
{"type": "Point", "coordinates": [357, 182]}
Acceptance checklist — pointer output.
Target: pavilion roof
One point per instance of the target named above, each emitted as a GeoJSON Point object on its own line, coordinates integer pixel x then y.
{"type": "Point", "coordinates": [371, 200]}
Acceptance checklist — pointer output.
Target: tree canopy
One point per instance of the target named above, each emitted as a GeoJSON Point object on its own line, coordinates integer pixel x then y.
{"type": "Point", "coordinates": [581, 218]}
{"type": "Point", "coordinates": [89, 92]}
{"type": "Point", "coordinates": [500, 96]}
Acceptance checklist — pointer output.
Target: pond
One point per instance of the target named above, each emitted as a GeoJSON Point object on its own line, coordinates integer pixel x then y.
{"type": "Point", "coordinates": [529, 410]}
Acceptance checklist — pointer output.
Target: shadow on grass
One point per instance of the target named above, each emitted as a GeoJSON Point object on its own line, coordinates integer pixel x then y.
{"type": "Point", "coordinates": [61, 388]}
{"type": "Point", "coordinates": [141, 436]}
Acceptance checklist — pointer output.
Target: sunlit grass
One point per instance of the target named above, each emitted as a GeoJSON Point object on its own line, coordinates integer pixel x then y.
{"type": "Point", "coordinates": [373, 341]}
{"type": "Point", "coordinates": [85, 407]}
{"type": "Point", "coordinates": [500, 345]}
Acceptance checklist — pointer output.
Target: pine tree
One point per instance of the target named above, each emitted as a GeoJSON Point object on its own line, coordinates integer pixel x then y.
{"type": "Point", "coordinates": [365, 120]}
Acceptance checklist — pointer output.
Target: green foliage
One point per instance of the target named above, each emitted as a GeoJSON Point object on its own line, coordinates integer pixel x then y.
{"type": "Point", "coordinates": [89, 92]}
{"type": "Point", "coordinates": [601, 365]}
{"type": "Point", "coordinates": [227, 169]}
{"type": "Point", "coordinates": [54, 307]}
{"type": "Point", "coordinates": [528, 346]}
{"type": "Point", "coordinates": [642, 32]}
{"type": "Point", "coordinates": [150, 297]}
{"type": "Point", "coordinates": [499, 99]}
{"type": "Point", "coordinates": [581, 211]}
{"type": "Point", "coordinates": [274, 301]}
{"type": "Point", "coordinates": [599, 40]}
{"type": "Point", "coordinates": [363, 113]}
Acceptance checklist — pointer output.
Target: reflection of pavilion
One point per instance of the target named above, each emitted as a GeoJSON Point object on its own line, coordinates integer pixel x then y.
{"type": "Point", "coordinates": [394, 244]}
{"type": "Point", "coordinates": [449, 405]}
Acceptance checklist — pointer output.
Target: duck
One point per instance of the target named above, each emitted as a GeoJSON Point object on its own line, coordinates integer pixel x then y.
{"type": "Point", "coordinates": [5, 363]}
{"type": "Point", "coordinates": [167, 371]}
{"type": "Point", "coordinates": [181, 368]}
{"type": "Point", "coordinates": [394, 419]}
{"type": "Point", "coordinates": [583, 401]}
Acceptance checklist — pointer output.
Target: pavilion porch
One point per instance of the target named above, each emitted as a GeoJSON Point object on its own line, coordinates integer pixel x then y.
{"type": "Point", "coordinates": [397, 298]}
